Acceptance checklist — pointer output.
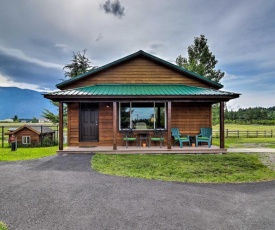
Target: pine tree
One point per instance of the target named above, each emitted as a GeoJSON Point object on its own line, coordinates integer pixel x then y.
{"type": "Point", "coordinates": [80, 64]}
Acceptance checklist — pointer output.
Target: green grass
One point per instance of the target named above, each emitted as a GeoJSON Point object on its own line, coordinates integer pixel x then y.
{"type": "Point", "coordinates": [26, 153]}
{"type": "Point", "coordinates": [235, 168]}
{"type": "Point", "coordinates": [258, 142]}
{"type": "Point", "coordinates": [3, 226]}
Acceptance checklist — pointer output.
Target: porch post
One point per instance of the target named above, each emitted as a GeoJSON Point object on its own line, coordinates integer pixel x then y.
{"type": "Point", "coordinates": [169, 125]}
{"type": "Point", "coordinates": [115, 125]}
{"type": "Point", "coordinates": [221, 124]}
{"type": "Point", "coordinates": [60, 142]}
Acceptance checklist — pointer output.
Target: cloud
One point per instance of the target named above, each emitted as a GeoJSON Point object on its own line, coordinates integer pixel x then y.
{"type": "Point", "coordinates": [99, 37]}
{"type": "Point", "coordinates": [18, 54]}
{"type": "Point", "coordinates": [7, 82]}
{"type": "Point", "coordinates": [20, 71]}
{"type": "Point", "coordinates": [113, 8]}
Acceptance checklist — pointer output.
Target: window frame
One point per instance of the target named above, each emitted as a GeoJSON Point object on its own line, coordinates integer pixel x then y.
{"type": "Point", "coordinates": [154, 107]}
{"type": "Point", "coordinates": [26, 140]}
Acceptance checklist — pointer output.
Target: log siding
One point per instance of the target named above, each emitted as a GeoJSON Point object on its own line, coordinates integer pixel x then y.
{"type": "Point", "coordinates": [137, 71]}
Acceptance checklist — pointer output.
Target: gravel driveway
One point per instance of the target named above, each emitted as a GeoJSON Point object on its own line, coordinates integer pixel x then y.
{"type": "Point", "coordinates": [63, 192]}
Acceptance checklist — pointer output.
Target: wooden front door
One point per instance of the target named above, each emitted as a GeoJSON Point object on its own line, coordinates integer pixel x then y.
{"type": "Point", "coordinates": [89, 122]}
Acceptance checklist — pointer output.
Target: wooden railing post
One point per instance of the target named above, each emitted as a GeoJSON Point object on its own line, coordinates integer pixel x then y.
{"type": "Point", "coordinates": [169, 115]}
{"type": "Point", "coordinates": [221, 124]}
{"type": "Point", "coordinates": [115, 125]}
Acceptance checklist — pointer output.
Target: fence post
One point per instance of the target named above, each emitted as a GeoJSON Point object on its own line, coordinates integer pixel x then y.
{"type": "Point", "coordinates": [226, 133]}
{"type": "Point", "coordinates": [57, 132]}
{"type": "Point", "coordinates": [41, 138]}
{"type": "Point", "coordinates": [3, 137]}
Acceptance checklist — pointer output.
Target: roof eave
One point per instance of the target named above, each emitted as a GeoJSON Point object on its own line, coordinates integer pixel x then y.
{"type": "Point", "coordinates": [71, 98]}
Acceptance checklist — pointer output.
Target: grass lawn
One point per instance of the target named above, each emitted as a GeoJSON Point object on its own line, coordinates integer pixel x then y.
{"type": "Point", "coordinates": [235, 168]}
{"type": "Point", "coordinates": [26, 153]}
{"type": "Point", "coordinates": [3, 226]}
{"type": "Point", "coordinates": [246, 142]}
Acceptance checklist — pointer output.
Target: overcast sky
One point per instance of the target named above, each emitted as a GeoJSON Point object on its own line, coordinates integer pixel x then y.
{"type": "Point", "coordinates": [38, 38]}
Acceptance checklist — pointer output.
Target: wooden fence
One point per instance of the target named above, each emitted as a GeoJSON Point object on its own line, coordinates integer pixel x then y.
{"type": "Point", "coordinates": [245, 134]}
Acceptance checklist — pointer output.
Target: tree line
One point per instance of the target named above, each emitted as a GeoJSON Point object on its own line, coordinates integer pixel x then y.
{"type": "Point", "coordinates": [257, 115]}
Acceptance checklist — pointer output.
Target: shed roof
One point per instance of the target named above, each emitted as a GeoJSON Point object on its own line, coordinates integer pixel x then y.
{"type": "Point", "coordinates": [36, 129]}
{"type": "Point", "coordinates": [141, 53]}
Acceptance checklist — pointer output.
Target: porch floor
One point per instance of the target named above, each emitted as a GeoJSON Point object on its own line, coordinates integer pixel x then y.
{"type": "Point", "coordinates": [144, 150]}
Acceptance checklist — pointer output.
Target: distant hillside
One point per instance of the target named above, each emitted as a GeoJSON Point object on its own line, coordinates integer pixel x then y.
{"type": "Point", "coordinates": [24, 103]}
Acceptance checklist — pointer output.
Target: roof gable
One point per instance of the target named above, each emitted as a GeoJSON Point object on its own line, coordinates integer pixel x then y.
{"type": "Point", "coordinates": [148, 56]}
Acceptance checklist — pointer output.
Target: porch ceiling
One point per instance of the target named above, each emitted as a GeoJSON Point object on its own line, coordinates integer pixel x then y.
{"type": "Point", "coordinates": [176, 91]}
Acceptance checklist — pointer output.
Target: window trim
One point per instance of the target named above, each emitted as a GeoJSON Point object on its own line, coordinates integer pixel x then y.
{"type": "Point", "coordinates": [131, 125]}
{"type": "Point", "coordinates": [26, 140]}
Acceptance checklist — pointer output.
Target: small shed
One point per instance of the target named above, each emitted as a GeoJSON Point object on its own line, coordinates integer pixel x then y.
{"type": "Point", "coordinates": [31, 135]}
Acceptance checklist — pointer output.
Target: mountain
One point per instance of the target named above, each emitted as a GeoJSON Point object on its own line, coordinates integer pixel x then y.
{"type": "Point", "coordinates": [24, 103]}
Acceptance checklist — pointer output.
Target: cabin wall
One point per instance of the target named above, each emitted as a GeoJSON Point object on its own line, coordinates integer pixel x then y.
{"type": "Point", "coordinates": [190, 117]}
{"type": "Point", "coordinates": [137, 71]}
{"type": "Point", "coordinates": [73, 124]}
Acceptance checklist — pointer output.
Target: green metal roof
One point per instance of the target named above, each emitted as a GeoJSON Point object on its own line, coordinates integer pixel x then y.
{"type": "Point", "coordinates": [141, 53]}
{"type": "Point", "coordinates": [141, 90]}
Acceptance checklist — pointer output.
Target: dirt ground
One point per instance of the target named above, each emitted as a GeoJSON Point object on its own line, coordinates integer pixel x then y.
{"type": "Point", "coordinates": [268, 159]}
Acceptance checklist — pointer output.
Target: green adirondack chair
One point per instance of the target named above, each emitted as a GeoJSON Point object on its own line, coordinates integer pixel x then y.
{"type": "Point", "coordinates": [128, 136]}
{"type": "Point", "coordinates": [157, 137]}
{"type": "Point", "coordinates": [178, 138]}
{"type": "Point", "coordinates": [204, 136]}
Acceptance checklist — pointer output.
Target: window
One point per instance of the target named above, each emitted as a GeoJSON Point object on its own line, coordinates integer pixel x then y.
{"type": "Point", "coordinates": [26, 140]}
{"type": "Point", "coordinates": [141, 116]}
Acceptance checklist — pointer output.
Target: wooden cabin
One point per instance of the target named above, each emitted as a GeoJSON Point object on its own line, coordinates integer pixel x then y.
{"type": "Point", "coordinates": [141, 92]}
{"type": "Point", "coordinates": [30, 135]}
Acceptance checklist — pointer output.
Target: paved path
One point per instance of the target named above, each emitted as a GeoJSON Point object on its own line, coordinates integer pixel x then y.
{"type": "Point", "coordinates": [251, 150]}
{"type": "Point", "coordinates": [63, 192]}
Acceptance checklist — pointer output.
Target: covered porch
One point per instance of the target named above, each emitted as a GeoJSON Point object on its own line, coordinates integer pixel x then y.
{"type": "Point", "coordinates": [184, 107]}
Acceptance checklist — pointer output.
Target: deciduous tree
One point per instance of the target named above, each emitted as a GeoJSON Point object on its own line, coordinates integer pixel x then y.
{"type": "Point", "coordinates": [200, 60]}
